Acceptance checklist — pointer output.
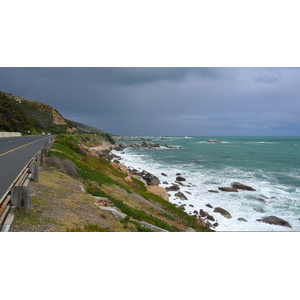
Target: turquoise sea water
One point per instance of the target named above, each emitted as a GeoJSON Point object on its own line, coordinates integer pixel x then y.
{"type": "Point", "coordinates": [271, 165]}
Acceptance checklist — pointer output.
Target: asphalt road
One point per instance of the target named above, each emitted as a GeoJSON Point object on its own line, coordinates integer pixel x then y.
{"type": "Point", "coordinates": [15, 153]}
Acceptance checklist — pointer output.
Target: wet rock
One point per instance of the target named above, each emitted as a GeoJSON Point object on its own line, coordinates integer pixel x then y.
{"type": "Point", "coordinates": [208, 205]}
{"type": "Point", "coordinates": [215, 225]}
{"type": "Point", "coordinates": [223, 212]}
{"type": "Point", "coordinates": [163, 174]}
{"type": "Point", "coordinates": [211, 218]}
{"type": "Point", "coordinates": [228, 189]}
{"type": "Point", "coordinates": [178, 174]}
{"type": "Point", "coordinates": [213, 191]}
{"type": "Point", "coordinates": [173, 188]}
{"type": "Point", "coordinates": [195, 212]}
{"type": "Point", "coordinates": [240, 186]}
{"type": "Point", "coordinates": [181, 196]}
{"type": "Point", "coordinates": [188, 192]}
{"type": "Point", "coordinates": [242, 220]}
{"type": "Point", "coordinates": [258, 209]}
{"type": "Point", "coordinates": [214, 141]}
{"type": "Point", "coordinates": [202, 213]}
{"type": "Point", "coordinates": [179, 178]}
{"type": "Point", "coordinates": [191, 205]}
{"type": "Point", "coordinates": [273, 220]}
{"type": "Point", "coordinates": [165, 182]}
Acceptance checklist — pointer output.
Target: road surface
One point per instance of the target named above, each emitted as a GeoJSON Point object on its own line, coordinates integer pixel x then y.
{"type": "Point", "coordinates": [15, 153]}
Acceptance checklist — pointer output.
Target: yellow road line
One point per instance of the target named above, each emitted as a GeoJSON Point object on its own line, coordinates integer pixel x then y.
{"type": "Point", "coordinates": [21, 146]}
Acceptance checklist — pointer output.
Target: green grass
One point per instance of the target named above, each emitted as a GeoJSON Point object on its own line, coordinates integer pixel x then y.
{"type": "Point", "coordinates": [89, 228]}
{"type": "Point", "coordinates": [99, 170]}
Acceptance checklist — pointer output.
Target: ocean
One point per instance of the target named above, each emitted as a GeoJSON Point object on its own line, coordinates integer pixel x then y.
{"type": "Point", "coordinates": [271, 165]}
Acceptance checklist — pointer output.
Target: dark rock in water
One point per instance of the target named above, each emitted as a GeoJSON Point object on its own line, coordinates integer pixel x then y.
{"type": "Point", "coordinates": [214, 141]}
{"type": "Point", "coordinates": [261, 198]}
{"type": "Point", "coordinates": [240, 186]}
{"type": "Point", "coordinates": [163, 174]}
{"type": "Point", "coordinates": [191, 205]}
{"type": "Point", "coordinates": [178, 174]}
{"type": "Point", "coordinates": [181, 196]}
{"type": "Point", "coordinates": [195, 212]}
{"type": "Point", "coordinates": [242, 220]}
{"type": "Point", "coordinates": [173, 188]}
{"type": "Point", "coordinates": [215, 225]}
{"type": "Point", "coordinates": [223, 212]}
{"type": "Point", "coordinates": [202, 213]}
{"type": "Point", "coordinates": [228, 189]}
{"type": "Point", "coordinates": [275, 221]}
{"type": "Point", "coordinates": [179, 178]}
{"type": "Point", "coordinates": [188, 192]}
{"type": "Point", "coordinates": [165, 182]}
{"type": "Point", "coordinates": [148, 177]}
{"type": "Point", "coordinates": [211, 218]}
{"type": "Point", "coordinates": [208, 205]}
{"type": "Point", "coordinates": [213, 191]}
{"type": "Point", "coordinates": [258, 209]}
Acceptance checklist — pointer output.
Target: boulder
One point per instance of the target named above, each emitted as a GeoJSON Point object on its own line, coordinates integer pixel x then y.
{"type": "Point", "coordinates": [148, 177]}
{"type": "Point", "coordinates": [208, 205]}
{"type": "Point", "coordinates": [213, 191]}
{"type": "Point", "coordinates": [122, 146]}
{"type": "Point", "coordinates": [214, 141]}
{"type": "Point", "coordinates": [202, 213]}
{"type": "Point", "coordinates": [240, 186]}
{"type": "Point", "coordinates": [190, 229]}
{"type": "Point", "coordinates": [173, 188]}
{"type": "Point", "coordinates": [228, 189]}
{"type": "Point", "coordinates": [158, 190]}
{"type": "Point", "coordinates": [223, 212]}
{"type": "Point", "coordinates": [258, 209]}
{"type": "Point", "coordinates": [163, 174]}
{"type": "Point", "coordinates": [242, 220]}
{"type": "Point", "coordinates": [128, 179]}
{"type": "Point", "coordinates": [179, 178]}
{"type": "Point", "coordinates": [211, 218]}
{"type": "Point", "coordinates": [274, 221]}
{"type": "Point", "coordinates": [181, 196]}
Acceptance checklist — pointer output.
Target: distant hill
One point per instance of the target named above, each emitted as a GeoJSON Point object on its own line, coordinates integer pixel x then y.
{"type": "Point", "coordinates": [82, 128]}
{"type": "Point", "coordinates": [18, 114]}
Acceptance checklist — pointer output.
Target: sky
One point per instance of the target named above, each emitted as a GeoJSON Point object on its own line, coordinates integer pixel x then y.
{"type": "Point", "coordinates": [167, 101]}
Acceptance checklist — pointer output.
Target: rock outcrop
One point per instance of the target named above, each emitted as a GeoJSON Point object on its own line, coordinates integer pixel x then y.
{"type": "Point", "coordinates": [158, 190]}
{"type": "Point", "coordinates": [240, 186]}
{"type": "Point", "coordinates": [223, 212]}
{"type": "Point", "coordinates": [275, 221]}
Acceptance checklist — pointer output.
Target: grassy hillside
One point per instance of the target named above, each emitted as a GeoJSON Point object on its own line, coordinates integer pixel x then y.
{"type": "Point", "coordinates": [101, 179]}
{"type": "Point", "coordinates": [18, 114]}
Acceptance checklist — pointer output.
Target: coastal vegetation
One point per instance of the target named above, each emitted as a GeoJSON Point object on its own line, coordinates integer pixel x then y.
{"type": "Point", "coordinates": [70, 161]}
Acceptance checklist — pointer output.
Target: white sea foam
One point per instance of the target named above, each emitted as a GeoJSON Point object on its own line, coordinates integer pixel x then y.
{"type": "Point", "coordinates": [280, 201]}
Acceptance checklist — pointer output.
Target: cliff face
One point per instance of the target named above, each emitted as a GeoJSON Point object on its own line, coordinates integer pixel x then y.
{"type": "Point", "coordinates": [32, 115]}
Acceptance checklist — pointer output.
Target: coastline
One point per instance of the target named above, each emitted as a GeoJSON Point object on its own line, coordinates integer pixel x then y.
{"type": "Point", "coordinates": [209, 200]}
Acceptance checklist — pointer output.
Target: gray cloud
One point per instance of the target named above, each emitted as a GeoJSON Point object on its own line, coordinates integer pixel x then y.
{"type": "Point", "coordinates": [167, 101]}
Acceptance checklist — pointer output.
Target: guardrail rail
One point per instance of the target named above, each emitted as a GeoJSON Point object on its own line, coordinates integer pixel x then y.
{"type": "Point", "coordinates": [18, 195]}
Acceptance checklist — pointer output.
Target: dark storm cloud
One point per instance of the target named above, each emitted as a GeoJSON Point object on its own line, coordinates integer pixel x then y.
{"type": "Point", "coordinates": [167, 101]}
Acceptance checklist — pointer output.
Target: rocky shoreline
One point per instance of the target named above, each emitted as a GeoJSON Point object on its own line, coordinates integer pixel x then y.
{"type": "Point", "coordinates": [152, 183]}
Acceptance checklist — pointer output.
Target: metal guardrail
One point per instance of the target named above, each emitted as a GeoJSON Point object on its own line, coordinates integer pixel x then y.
{"type": "Point", "coordinates": [18, 194]}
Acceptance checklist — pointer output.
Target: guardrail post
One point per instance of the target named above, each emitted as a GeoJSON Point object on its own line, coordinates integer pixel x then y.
{"type": "Point", "coordinates": [26, 203]}
{"type": "Point", "coordinates": [35, 171]}
{"type": "Point", "coordinates": [16, 195]}
{"type": "Point", "coordinates": [20, 196]}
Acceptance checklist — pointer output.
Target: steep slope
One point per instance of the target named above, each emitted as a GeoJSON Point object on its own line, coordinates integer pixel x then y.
{"type": "Point", "coordinates": [20, 114]}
